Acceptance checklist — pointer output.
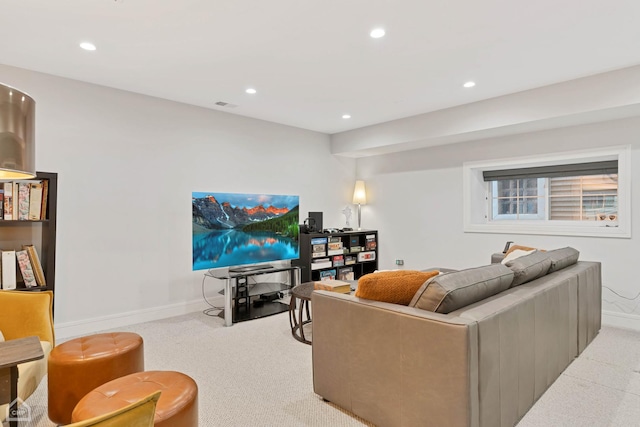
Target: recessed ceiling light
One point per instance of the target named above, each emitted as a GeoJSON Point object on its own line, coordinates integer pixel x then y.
{"type": "Point", "coordinates": [469, 84]}
{"type": "Point", "coordinates": [251, 90]}
{"type": "Point", "coordinates": [346, 116]}
{"type": "Point", "coordinates": [377, 33]}
{"type": "Point", "coordinates": [87, 46]}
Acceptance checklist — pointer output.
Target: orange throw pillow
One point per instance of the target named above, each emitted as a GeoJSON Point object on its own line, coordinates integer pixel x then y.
{"type": "Point", "coordinates": [397, 287]}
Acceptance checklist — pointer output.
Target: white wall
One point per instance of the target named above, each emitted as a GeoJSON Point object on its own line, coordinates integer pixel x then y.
{"type": "Point", "coordinates": [415, 200]}
{"type": "Point", "coordinates": [127, 165]}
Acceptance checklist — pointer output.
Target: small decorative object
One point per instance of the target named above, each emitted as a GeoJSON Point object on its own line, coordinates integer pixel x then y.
{"type": "Point", "coordinates": [359, 198]}
{"type": "Point", "coordinates": [347, 216]}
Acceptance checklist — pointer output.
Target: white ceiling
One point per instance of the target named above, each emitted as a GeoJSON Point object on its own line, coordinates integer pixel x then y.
{"type": "Point", "coordinates": [313, 61]}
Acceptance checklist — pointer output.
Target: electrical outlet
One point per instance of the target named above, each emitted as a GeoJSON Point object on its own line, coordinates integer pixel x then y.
{"type": "Point", "coordinates": [399, 262]}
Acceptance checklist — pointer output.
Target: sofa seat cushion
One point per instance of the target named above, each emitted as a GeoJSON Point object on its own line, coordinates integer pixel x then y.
{"type": "Point", "coordinates": [529, 267]}
{"type": "Point", "coordinates": [451, 291]}
{"type": "Point", "coordinates": [562, 258]}
{"type": "Point", "coordinates": [397, 287]}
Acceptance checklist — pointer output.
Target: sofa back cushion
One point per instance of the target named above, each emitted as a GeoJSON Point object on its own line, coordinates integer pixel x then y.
{"type": "Point", "coordinates": [451, 291]}
{"type": "Point", "coordinates": [529, 267]}
{"type": "Point", "coordinates": [561, 258]}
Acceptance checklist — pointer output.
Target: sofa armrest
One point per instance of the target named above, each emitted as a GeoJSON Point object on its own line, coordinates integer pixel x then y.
{"type": "Point", "coordinates": [394, 365]}
{"type": "Point", "coordinates": [497, 258]}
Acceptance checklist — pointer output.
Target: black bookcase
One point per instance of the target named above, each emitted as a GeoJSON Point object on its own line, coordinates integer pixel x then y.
{"type": "Point", "coordinates": [359, 252]}
{"type": "Point", "coordinates": [40, 233]}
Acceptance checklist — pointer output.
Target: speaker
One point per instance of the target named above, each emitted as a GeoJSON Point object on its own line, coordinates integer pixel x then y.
{"type": "Point", "coordinates": [317, 217]}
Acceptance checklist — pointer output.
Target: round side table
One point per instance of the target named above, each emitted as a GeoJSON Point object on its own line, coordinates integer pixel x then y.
{"type": "Point", "coordinates": [301, 293]}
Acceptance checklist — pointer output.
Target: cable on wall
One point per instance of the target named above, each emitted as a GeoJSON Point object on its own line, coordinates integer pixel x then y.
{"type": "Point", "coordinates": [623, 297]}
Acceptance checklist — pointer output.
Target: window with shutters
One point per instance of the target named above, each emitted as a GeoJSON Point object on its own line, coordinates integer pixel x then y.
{"type": "Point", "coordinates": [585, 194]}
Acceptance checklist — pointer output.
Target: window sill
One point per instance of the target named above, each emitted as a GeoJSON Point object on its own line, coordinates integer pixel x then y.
{"type": "Point", "coordinates": [563, 230]}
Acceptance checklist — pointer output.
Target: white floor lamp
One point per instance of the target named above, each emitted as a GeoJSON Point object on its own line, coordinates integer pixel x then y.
{"type": "Point", "coordinates": [359, 198]}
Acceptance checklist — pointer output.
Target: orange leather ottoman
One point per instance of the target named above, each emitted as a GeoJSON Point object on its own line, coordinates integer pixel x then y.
{"type": "Point", "coordinates": [177, 406]}
{"type": "Point", "coordinates": [78, 366]}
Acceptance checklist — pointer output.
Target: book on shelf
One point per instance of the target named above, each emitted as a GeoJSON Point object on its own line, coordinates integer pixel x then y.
{"type": "Point", "coordinates": [24, 263]}
{"type": "Point", "coordinates": [36, 265]}
{"type": "Point", "coordinates": [333, 286]}
{"type": "Point", "coordinates": [334, 239]}
{"type": "Point", "coordinates": [320, 263]}
{"type": "Point", "coordinates": [318, 240]}
{"type": "Point", "coordinates": [328, 274]}
{"type": "Point", "coordinates": [349, 259]}
{"type": "Point", "coordinates": [366, 256]}
{"type": "Point", "coordinates": [45, 199]}
{"type": "Point", "coordinates": [335, 252]}
{"type": "Point", "coordinates": [16, 199]}
{"type": "Point", "coordinates": [354, 241]}
{"type": "Point", "coordinates": [346, 273]}
{"type": "Point", "coordinates": [334, 245]}
{"type": "Point", "coordinates": [318, 251]}
{"type": "Point", "coordinates": [338, 260]}
{"type": "Point", "coordinates": [8, 200]}
{"type": "Point", "coordinates": [370, 242]}
{"type": "Point", "coordinates": [9, 269]}
{"type": "Point", "coordinates": [35, 200]}
{"type": "Point", "coordinates": [23, 200]}
{"type": "Point", "coordinates": [355, 248]}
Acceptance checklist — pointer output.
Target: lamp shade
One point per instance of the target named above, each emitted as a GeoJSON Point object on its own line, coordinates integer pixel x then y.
{"type": "Point", "coordinates": [359, 194]}
{"type": "Point", "coordinates": [17, 134]}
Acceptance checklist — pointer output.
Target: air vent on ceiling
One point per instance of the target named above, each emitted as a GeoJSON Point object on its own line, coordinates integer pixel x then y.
{"type": "Point", "coordinates": [225, 104]}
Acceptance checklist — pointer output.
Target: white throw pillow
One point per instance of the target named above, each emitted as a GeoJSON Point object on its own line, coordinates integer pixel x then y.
{"type": "Point", "coordinates": [516, 254]}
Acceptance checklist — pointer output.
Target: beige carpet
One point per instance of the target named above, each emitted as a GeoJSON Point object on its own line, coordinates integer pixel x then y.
{"type": "Point", "coordinates": [255, 374]}
{"type": "Point", "coordinates": [251, 374]}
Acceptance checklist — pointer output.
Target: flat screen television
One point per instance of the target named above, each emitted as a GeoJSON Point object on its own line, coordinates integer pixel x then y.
{"type": "Point", "coordinates": [234, 229]}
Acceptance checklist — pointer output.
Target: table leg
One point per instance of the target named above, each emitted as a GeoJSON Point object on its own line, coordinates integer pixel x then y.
{"type": "Point", "coordinates": [228, 315]}
{"type": "Point", "coordinates": [300, 311]}
{"type": "Point", "coordinates": [308, 314]}
{"type": "Point", "coordinates": [13, 409]}
{"type": "Point", "coordinates": [292, 313]}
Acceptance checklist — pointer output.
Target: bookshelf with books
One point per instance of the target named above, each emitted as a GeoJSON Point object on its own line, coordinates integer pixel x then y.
{"type": "Point", "coordinates": [28, 233]}
{"type": "Point", "coordinates": [346, 255]}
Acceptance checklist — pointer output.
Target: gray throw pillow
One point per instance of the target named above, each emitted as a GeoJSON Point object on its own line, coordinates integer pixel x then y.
{"type": "Point", "coordinates": [529, 267]}
{"type": "Point", "coordinates": [562, 258]}
{"type": "Point", "coordinates": [448, 292]}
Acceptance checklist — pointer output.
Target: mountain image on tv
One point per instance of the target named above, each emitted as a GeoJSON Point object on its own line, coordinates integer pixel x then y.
{"type": "Point", "coordinates": [233, 229]}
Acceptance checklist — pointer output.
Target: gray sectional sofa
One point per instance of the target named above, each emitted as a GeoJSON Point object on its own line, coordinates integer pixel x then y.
{"type": "Point", "coordinates": [484, 354]}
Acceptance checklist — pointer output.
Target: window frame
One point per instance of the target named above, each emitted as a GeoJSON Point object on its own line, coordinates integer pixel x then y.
{"type": "Point", "coordinates": [477, 196]}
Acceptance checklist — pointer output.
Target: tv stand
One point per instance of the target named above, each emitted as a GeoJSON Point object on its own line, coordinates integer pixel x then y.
{"type": "Point", "coordinates": [246, 301]}
{"type": "Point", "coordinates": [250, 268]}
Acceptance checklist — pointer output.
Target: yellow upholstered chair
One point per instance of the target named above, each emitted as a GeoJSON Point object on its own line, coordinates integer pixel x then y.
{"type": "Point", "coordinates": [137, 414]}
{"type": "Point", "coordinates": [24, 314]}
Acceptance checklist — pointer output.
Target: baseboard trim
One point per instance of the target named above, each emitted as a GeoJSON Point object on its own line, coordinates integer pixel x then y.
{"type": "Point", "coordinates": [621, 320]}
{"type": "Point", "coordinates": [96, 324]}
